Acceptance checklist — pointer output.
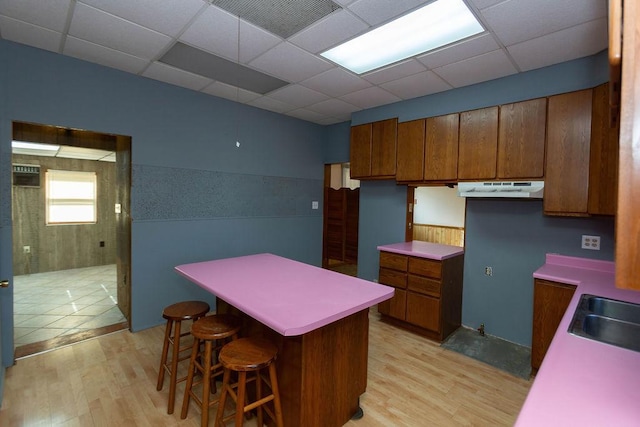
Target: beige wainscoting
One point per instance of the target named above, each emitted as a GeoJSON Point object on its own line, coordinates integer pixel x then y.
{"type": "Point", "coordinates": [439, 234]}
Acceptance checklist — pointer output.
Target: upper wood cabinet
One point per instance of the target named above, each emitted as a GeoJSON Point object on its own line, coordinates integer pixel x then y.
{"type": "Point", "coordinates": [373, 150]}
{"type": "Point", "coordinates": [627, 218]}
{"type": "Point", "coordinates": [568, 150]}
{"type": "Point", "coordinates": [521, 139]}
{"type": "Point", "coordinates": [603, 164]}
{"type": "Point", "coordinates": [410, 164]}
{"type": "Point", "coordinates": [478, 144]}
{"type": "Point", "coordinates": [441, 148]}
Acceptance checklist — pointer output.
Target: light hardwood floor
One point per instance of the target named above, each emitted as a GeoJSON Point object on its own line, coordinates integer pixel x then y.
{"type": "Point", "coordinates": [111, 381]}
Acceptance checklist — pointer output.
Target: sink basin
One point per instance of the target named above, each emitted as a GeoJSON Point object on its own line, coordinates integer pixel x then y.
{"type": "Point", "coordinates": [608, 321]}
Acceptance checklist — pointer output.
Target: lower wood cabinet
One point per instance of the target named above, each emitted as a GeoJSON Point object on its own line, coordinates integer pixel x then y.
{"type": "Point", "coordinates": [428, 293]}
{"type": "Point", "coordinates": [550, 302]}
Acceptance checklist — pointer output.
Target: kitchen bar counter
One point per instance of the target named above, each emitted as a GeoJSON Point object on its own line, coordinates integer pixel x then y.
{"type": "Point", "coordinates": [317, 318]}
{"type": "Point", "coordinates": [583, 382]}
{"type": "Point", "coordinates": [423, 249]}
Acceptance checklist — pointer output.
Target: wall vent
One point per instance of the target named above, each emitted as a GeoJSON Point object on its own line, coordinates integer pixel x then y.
{"type": "Point", "coordinates": [26, 175]}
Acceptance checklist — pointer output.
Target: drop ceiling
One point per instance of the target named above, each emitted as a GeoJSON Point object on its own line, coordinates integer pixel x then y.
{"type": "Point", "coordinates": [138, 36]}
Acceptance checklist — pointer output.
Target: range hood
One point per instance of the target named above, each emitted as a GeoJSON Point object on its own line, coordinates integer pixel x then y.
{"type": "Point", "coordinates": [510, 189]}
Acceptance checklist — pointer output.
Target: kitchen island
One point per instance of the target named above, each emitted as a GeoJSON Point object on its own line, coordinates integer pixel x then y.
{"type": "Point", "coordinates": [583, 382]}
{"type": "Point", "coordinates": [318, 319]}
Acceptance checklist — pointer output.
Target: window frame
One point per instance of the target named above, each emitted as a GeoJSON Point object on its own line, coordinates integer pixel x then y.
{"type": "Point", "coordinates": [79, 177]}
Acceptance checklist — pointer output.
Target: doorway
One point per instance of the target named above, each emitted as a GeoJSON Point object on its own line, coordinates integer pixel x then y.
{"type": "Point", "coordinates": [340, 219]}
{"type": "Point", "coordinates": [70, 275]}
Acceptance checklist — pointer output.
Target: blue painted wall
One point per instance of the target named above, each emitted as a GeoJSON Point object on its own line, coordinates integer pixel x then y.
{"type": "Point", "coordinates": [195, 195]}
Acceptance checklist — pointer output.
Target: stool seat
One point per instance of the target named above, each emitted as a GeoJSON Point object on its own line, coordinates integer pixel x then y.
{"type": "Point", "coordinates": [249, 356]}
{"type": "Point", "coordinates": [213, 331]}
{"type": "Point", "coordinates": [175, 315]}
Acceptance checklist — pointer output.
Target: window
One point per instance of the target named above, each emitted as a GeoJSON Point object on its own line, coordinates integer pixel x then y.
{"type": "Point", "coordinates": [71, 197]}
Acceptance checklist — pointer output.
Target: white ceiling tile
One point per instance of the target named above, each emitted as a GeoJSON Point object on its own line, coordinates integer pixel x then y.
{"type": "Point", "coordinates": [336, 82]}
{"type": "Point", "coordinates": [481, 68]}
{"type": "Point", "coordinates": [334, 120]}
{"type": "Point", "coordinates": [343, 2]}
{"type": "Point", "coordinates": [116, 33]}
{"type": "Point", "coordinates": [254, 41]}
{"type": "Point", "coordinates": [51, 14]}
{"type": "Point", "coordinates": [515, 21]}
{"type": "Point", "coordinates": [224, 90]}
{"type": "Point", "coordinates": [29, 34]}
{"type": "Point", "coordinates": [91, 52]}
{"type": "Point", "coordinates": [395, 71]}
{"type": "Point", "coordinates": [459, 51]}
{"type": "Point", "coordinates": [290, 63]}
{"type": "Point", "coordinates": [370, 97]}
{"type": "Point", "coordinates": [298, 95]}
{"type": "Point", "coordinates": [267, 103]}
{"type": "Point", "coordinates": [167, 16]}
{"type": "Point", "coordinates": [328, 32]}
{"type": "Point", "coordinates": [378, 11]}
{"type": "Point", "coordinates": [575, 42]}
{"type": "Point", "coordinates": [215, 31]}
{"type": "Point", "coordinates": [304, 114]}
{"type": "Point", "coordinates": [174, 76]}
{"type": "Point", "coordinates": [481, 4]}
{"type": "Point", "coordinates": [333, 106]}
{"type": "Point", "coordinates": [420, 84]}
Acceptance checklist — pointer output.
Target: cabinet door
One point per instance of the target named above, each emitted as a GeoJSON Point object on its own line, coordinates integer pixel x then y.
{"type": "Point", "coordinates": [410, 164]}
{"type": "Point", "coordinates": [441, 148]}
{"type": "Point", "coordinates": [566, 189]}
{"type": "Point", "coordinates": [550, 301]}
{"type": "Point", "coordinates": [360, 151]}
{"type": "Point", "coordinates": [383, 148]}
{"type": "Point", "coordinates": [423, 311]}
{"type": "Point", "coordinates": [478, 144]}
{"type": "Point", "coordinates": [396, 306]}
{"type": "Point", "coordinates": [603, 163]}
{"type": "Point", "coordinates": [521, 139]}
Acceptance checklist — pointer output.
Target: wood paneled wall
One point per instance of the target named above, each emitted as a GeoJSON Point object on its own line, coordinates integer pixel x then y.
{"type": "Point", "coordinates": [62, 247]}
{"type": "Point", "coordinates": [439, 234]}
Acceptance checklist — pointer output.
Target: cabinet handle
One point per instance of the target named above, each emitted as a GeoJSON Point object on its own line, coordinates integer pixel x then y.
{"type": "Point", "coordinates": [615, 32]}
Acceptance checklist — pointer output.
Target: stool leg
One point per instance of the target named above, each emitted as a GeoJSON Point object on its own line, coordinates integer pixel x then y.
{"type": "Point", "coordinates": [174, 367]}
{"type": "Point", "coordinates": [223, 397]}
{"type": "Point", "coordinates": [190, 375]}
{"type": "Point", "coordinates": [242, 385]}
{"type": "Point", "coordinates": [258, 397]}
{"type": "Point", "coordinates": [165, 351]}
{"type": "Point", "coordinates": [276, 395]}
{"type": "Point", "coordinates": [206, 383]}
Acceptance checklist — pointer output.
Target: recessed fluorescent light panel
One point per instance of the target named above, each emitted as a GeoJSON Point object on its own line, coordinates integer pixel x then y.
{"type": "Point", "coordinates": [430, 27]}
{"type": "Point", "coordinates": [34, 146]}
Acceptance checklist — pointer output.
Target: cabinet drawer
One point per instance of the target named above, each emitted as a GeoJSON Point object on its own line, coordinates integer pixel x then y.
{"type": "Point", "coordinates": [393, 261]}
{"type": "Point", "coordinates": [425, 267]}
{"type": "Point", "coordinates": [424, 285]}
{"type": "Point", "coordinates": [423, 311]}
{"type": "Point", "coordinates": [392, 278]}
{"type": "Point", "coordinates": [396, 306]}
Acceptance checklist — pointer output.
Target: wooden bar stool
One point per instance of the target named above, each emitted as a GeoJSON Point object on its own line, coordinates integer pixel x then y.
{"type": "Point", "coordinates": [175, 314]}
{"type": "Point", "coordinates": [214, 331]}
{"type": "Point", "coordinates": [249, 355]}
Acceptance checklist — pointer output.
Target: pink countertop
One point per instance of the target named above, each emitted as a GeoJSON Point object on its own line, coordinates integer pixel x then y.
{"type": "Point", "coordinates": [423, 249]}
{"type": "Point", "coordinates": [290, 297]}
{"type": "Point", "coordinates": [583, 382]}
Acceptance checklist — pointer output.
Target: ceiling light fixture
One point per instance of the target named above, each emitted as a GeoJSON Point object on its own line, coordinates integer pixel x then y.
{"type": "Point", "coordinates": [430, 27]}
{"type": "Point", "coordinates": [34, 146]}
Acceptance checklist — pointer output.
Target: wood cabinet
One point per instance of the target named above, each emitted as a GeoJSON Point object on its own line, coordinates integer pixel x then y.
{"type": "Point", "coordinates": [410, 159]}
{"type": "Point", "coordinates": [603, 161]}
{"type": "Point", "coordinates": [373, 150]}
{"type": "Point", "coordinates": [478, 144]}
{"type": "Point", "coordinates": [566, 189]}
{"type": "Point", "coordinates": [428, 293]}
{"type": "Point", "coordinates": [521, 139]}
{"type": "Point", "coordinates": [550, 302]}
{"type": "Point", "coordinates": [627, 218]}
{"type": "Point", "coordinates": [441, 148]}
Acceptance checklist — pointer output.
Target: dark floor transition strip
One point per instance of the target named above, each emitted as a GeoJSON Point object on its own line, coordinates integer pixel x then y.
{"type": "Point", "coordinates": [505, 355]}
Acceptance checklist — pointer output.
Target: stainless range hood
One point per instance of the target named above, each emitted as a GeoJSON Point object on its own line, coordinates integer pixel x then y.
{"type": "Point", "coordinates": [502, 189]}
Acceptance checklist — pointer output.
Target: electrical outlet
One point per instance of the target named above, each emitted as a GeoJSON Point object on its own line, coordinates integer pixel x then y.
{"type": "Point", "coordinates": [591, 242]}
{"type": "Point", "coordinates": [314, 205]}
{"type": "Point", "coordinates": [488, 271]}
{"type": "Point", "coordinates": [26, 249]}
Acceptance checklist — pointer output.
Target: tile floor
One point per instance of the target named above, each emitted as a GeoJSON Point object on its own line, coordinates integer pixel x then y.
{"type": "Point", "coordinates": [56, 303]}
